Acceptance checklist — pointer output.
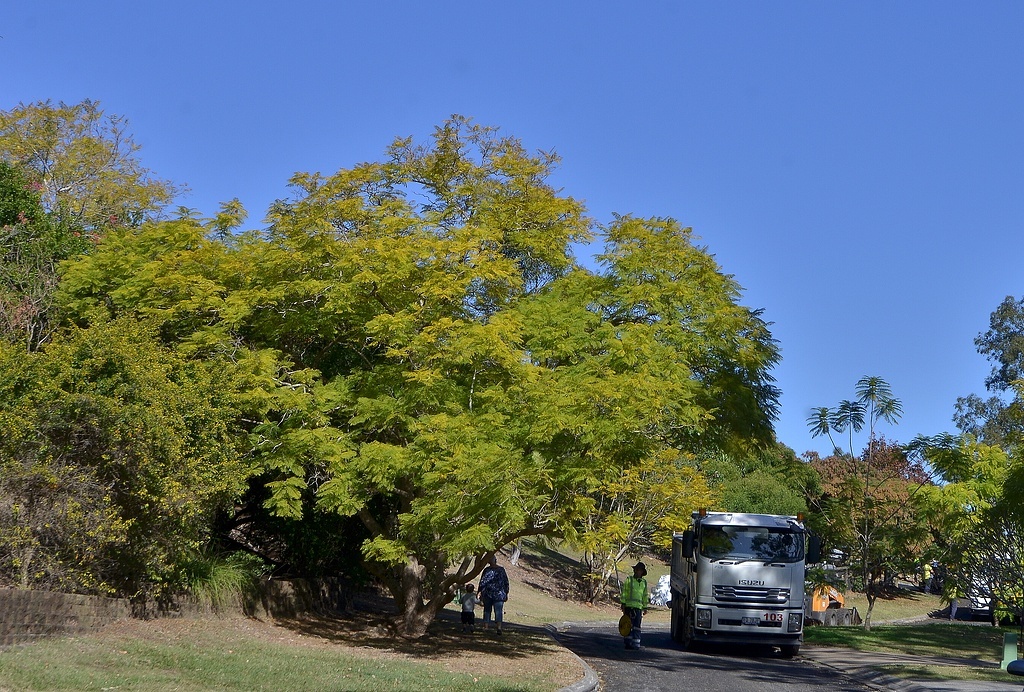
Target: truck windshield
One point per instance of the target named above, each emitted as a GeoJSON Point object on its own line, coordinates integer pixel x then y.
{"type": "Point", "coordinates": [751, 543]}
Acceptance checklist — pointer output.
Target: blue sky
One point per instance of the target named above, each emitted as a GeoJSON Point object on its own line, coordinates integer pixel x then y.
{"type": "Point", "coordinates": [857, 166]}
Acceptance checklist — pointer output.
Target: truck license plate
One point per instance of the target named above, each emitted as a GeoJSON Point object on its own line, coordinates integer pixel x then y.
{"type": "Point", "coordinates": [750, 621]}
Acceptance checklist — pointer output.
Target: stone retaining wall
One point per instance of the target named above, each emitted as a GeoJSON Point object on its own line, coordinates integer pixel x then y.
{"type": "Point", "coordinates": [281, 598]}
{"type": "Point", "coordinates": [26, 616]}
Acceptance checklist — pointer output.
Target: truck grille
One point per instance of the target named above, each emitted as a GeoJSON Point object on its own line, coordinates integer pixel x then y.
{"type": "Point", "coordinates": [739, 623]}
{"type": "Point", "coordinates": [751, 594]}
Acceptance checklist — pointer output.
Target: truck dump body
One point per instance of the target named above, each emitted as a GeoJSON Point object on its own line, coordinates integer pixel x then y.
{"type": "Point", "coordinates": [739, 578]}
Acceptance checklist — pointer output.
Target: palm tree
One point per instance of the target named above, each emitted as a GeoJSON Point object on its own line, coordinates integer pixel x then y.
{"type": "Point", "coordinates": [876, 394]}
{"type": "Point", "coordinates": [820, 423]}
{"type": "Point", "coordinates": [874, 402]}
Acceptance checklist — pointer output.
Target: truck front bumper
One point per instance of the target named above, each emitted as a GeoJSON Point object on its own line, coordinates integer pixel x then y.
{"type": "Point", "coordinates": [750, 625]}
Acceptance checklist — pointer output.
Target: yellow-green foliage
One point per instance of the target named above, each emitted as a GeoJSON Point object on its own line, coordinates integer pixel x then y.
{"type": "Point", "coordinates": [412, 342]}
{"type": "Point", "coordinates": [976, 513]}
{"type": "Point", "coordinates": [119, 453]}
{"type": "Point", "coordinates": [85, 163]}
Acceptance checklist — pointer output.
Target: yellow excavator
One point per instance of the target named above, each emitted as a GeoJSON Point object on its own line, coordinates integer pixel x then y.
{"type": "Point", "coordinates": [828, 607]}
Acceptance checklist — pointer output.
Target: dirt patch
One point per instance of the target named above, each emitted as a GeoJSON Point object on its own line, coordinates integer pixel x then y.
{"type": "Point", "coordinates": [558, 575]}
{"type": "Point", "coordinates": [545, 570]}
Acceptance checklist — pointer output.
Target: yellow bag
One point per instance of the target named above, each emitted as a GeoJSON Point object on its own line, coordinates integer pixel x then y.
{"type": "Point", "coordinates": [625, 625]}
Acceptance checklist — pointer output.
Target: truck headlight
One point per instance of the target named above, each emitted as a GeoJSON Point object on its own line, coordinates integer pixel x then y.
{"type": "Point", "coordinates": [704, 618]}
{"type": "Point", "coordinates": [796, 621]}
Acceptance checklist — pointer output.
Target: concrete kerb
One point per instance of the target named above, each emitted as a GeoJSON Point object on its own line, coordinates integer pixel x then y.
{"type": "Point", "coordinates": [589, 681]}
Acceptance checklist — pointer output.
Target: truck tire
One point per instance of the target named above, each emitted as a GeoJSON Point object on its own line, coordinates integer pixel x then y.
{"type": "Point", "coordinates": [682, 620]}
{"type": "Point", "coordinates": [674, 617]}
{"type": "Point", "coordinates": [686, 637]}
{"type": "Point", "coordinates": [789, 650]}
{"type": "Point", "coordinates": [681, 634]}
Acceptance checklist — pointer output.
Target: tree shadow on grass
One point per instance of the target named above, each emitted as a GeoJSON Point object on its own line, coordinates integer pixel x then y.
{"type": "Point", "coordinates": [368, 623]}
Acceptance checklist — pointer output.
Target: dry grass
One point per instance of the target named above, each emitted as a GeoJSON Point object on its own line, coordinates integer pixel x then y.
{"type": "Point", "coordinates": [899, 605]}
{"type": "Point", "coordinates": [310, 653]}
{"type": "Point", "coordinates": [342, 651]}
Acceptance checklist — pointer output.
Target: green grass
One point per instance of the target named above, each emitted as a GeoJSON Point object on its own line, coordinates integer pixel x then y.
{"type": "Point", "coordinates": [948, 673]}
{"type": "Point", "coordinates": [900, 605]}
{"type": "Point", "coordinates": [979, 646]}
{"type": "Point", "coordinates": [220, 581]}
{"type": "Point", "coordinates": [947, 640]}
{"type": "Point", "coordinates": [212, 658]}
{"type": "Point", "coordinates": [208, 659]}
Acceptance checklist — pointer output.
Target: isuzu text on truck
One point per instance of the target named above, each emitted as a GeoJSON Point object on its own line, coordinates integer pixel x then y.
{"type": "Point", "coordinates": [739, 578]}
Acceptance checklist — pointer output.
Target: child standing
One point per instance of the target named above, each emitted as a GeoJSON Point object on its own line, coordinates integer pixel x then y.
{"type": "Point", "coordinates": [469, 602]}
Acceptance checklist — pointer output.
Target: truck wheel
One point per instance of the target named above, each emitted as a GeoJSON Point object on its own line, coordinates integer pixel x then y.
{"type": "Point", "coordinates": [674, 618]}
{"type": "Point", "coordinates": [789, 650]}
{"type": "Point", "coordinates": [684, 626]}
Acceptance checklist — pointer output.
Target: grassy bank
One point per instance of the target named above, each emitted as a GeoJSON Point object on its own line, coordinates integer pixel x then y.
{"type": "Point", "coordinates": [924, 673]}
{"type": "Point", "coordinates": [241, 654]}
{"type": "Point", "coordinates": [978, 648]}
{"type": "Point", "coordinates": [899, 605]}
{"type": "Point", "coordinates": [319, 653]}
{"type": "Point", "coordinates": [946, 640]}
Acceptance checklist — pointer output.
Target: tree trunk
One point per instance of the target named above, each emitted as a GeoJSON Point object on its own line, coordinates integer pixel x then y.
{"type": "Point", "coordinates": [872, 597]}
{"type": "Point", "coordinates": [867, 575]}
{"type": "Point", "coordinates": [414, 622]}
{"type": "Point", "coordinates": [416, 609]}
{"type": "Point", "coordinates": [871, 589]}
{"type": "Point", "coordinates": [26, 562]}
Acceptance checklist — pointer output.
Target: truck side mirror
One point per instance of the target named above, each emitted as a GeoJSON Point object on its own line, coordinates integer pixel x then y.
{"type": "Point", "coordinates": [688, 543]}
{"type": "Point", "coordinates": [814, 549]}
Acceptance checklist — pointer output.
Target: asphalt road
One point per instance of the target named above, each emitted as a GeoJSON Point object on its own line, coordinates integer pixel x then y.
{"type": "Point", "coordinates": [661, 666]}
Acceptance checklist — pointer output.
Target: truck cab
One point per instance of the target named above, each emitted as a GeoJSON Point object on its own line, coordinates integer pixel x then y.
{"type": "Point", "coordinates": [739, 578]}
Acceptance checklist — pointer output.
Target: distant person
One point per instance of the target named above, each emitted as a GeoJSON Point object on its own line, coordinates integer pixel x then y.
{"type": "Point", "coordinates": [953, 606]}
{"type": "Point", "coordinates": [494, 592]}
{"type": "Point", "coordinates": [469, 602]}
{"type": "Point", "coordinates": [634, 599]}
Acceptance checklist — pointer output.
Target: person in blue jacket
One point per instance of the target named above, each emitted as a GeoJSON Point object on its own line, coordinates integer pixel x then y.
{"type": "Point", "coordinates": [493, 591]}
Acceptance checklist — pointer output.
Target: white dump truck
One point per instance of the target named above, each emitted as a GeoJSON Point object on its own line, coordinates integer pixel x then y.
{"type": "Point", "coordinates": [739, 578]}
